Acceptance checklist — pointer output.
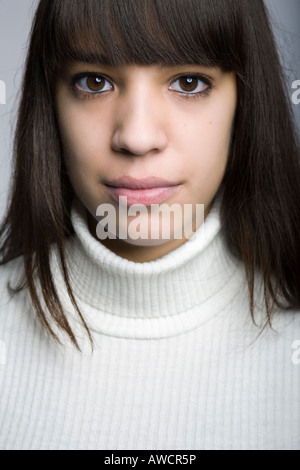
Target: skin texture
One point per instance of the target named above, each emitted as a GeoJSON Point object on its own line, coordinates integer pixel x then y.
{"type": "Point", "coordinates": [141, 124]}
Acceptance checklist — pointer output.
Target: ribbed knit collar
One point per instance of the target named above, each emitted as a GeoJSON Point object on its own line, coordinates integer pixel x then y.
{"type": "Point", "coordinates": [155, 299]}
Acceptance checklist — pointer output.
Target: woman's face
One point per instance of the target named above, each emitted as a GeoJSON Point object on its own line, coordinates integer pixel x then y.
{"type": "Point", "coordinates": [131, 130]}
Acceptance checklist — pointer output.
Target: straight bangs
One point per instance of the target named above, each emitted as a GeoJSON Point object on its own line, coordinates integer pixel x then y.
{"type": "Point", "coordinates": [119, 32]}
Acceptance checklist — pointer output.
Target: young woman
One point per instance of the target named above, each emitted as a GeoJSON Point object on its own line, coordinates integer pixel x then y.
{"type": "Point", "coordinates": [188, 342]}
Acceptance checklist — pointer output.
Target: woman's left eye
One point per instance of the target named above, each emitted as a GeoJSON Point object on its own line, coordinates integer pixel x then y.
{"type": "Point", "coordinates": [92, 84]}
{"type": "Point", "coordinates": [191, 85]}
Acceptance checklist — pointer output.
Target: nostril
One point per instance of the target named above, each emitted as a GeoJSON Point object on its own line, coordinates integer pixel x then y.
{"type": "Point", "coordinates": [125, 151]}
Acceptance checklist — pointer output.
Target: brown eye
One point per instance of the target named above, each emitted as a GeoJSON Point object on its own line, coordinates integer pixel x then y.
{"type": "Point", "coordinates": [188, 83]}
{"type": "Point", "coordinates": [92, 84]}
{"type": "Point", "coordinates": [193, 85]}
{"type": "Point", "coordinates": [95, 83]}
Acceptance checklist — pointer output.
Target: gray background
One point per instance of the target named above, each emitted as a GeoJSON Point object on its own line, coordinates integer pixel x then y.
{"type": "Point", "coordinates": [15, 23]}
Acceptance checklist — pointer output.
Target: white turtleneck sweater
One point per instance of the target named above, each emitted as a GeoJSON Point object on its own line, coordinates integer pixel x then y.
{"type": "Point", "coordinates": [177, 363]}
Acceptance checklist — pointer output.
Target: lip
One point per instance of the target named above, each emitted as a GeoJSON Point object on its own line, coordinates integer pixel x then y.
{"type": "Point", "coordinates": [145, 191]}
{"type": "Point", "coordinates": [140, 183]}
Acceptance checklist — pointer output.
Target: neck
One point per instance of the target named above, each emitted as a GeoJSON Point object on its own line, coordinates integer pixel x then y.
{"type": "Point", "coordinates": [152, 299]}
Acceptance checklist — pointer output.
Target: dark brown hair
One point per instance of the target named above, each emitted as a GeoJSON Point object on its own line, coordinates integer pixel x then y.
{"type": "Point", "coordinates": [260, 190]}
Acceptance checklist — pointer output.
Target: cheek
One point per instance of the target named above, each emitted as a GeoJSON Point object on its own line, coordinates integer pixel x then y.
{"type": "Point", "coordinates": [207, 144]}
{"type": "Point", "coordinates": [214, 129]}
{"type": "Point", "coordinates": [78, 150]}
{"type": "Point", "coordinates": [82, 137]}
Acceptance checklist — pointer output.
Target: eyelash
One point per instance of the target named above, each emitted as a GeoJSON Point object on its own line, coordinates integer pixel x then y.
{"type": "Point", "coordinates": [90, 95]}
{"type": "Point", "coordinates": [200, 94]}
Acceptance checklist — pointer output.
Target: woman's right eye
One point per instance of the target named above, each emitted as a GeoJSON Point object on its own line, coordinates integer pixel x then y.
{"type": "Point", "coordinates": [92, 84]}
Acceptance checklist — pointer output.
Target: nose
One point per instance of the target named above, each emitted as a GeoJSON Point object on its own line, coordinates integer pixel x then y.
{"type": "Point", "coordinates": [140, 123]}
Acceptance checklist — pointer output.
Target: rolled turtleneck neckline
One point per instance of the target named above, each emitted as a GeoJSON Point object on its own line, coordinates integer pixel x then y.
{"type": "Point", "coordinates": [168, 296]}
